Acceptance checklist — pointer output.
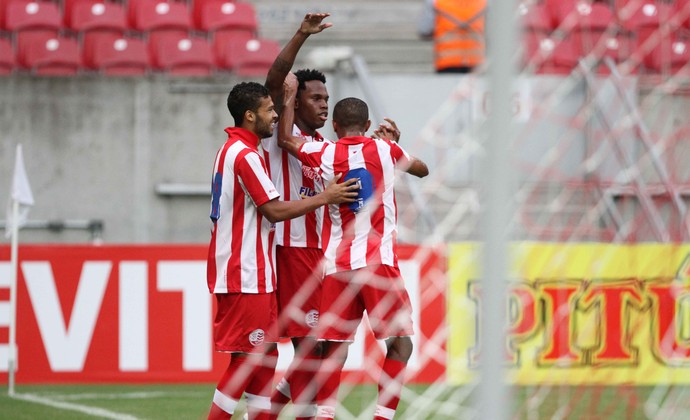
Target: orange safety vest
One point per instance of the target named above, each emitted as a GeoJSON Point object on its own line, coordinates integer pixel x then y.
{"type": "Point", "coordinates": [459, 33]}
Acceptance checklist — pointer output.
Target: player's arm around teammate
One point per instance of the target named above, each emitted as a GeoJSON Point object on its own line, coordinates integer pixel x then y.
{"type": "Point", "coordinates": [291, 143]}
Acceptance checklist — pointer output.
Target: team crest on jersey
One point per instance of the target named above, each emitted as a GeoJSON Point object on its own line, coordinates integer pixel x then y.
{"type": "Point", "coordinates": [256, 337]}
{"type": "Point", "coordinates": [306, 192]}
{"type": "Point", "coordinates": [312, 318]}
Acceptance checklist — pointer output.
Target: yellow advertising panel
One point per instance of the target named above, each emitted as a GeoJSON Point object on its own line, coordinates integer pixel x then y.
{"type": "Point", "coordinates": [578, 313]}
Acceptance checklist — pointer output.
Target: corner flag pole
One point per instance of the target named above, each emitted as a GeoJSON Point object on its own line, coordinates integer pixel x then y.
{"type": "Point", "coordinates": [21, 198]}
{"type": "Point", "coordinates": [14, 265]}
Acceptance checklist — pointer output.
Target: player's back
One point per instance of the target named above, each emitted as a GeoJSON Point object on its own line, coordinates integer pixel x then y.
{"type": "Point", "coordinates": [366, 227]}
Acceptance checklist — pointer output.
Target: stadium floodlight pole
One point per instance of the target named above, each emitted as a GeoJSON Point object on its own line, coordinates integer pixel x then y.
{"type": "Point", "coordinates": [494, 397]}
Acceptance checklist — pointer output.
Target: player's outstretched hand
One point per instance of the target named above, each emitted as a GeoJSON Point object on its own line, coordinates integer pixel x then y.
{"type": "Point", "coordinates": [345, 192]}
{"type": "Point", "coordinates": [388, 131]}
{"type": "Point", "coordinates": [313, 23]}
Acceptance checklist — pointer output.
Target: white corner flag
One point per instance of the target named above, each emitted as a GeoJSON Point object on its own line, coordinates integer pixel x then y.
{"type": "Point", "coordinates": [21, 199]}
{"type": "Point", "coordinates": [20, 193]}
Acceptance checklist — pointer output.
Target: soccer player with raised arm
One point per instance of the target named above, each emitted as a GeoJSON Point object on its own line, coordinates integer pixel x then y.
{"type": "Point", "coordinates": [240, 270]}
{"type": "Point", "coordinates": [299, 256]}
{"type": "Point", "coordinates": [361, 263]}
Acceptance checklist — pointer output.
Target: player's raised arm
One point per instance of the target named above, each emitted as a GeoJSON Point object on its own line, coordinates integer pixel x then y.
{"type": "Point", "coordinates": [335, 193]}
{"type": "Point", "coordinates": [285, 138]}
{"type": "Point", "coordinates": [312, 24]}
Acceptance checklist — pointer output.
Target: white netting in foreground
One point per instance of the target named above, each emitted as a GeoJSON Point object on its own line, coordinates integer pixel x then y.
{"type": "Point", "coordinates": [598, 279]}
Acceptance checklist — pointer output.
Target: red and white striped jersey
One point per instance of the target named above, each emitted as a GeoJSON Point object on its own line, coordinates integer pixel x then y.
{"type": "Point", "coordinates": [362, 233]}
{"type": "Point", "coordinates": [241, 253]}
{"type": "Point", "coordinates": [294, 181]}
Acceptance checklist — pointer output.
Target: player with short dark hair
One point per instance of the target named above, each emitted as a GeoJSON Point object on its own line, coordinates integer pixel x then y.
{"type": "Point", "coordinates": [361, 263]}
{"type": "Point", "coordinates": [240, 268]}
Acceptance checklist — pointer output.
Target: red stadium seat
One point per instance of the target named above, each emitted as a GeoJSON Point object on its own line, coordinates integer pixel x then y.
{"type": "Point", "coordinates": [558, 10]}
{"type": "Point", "coordinates": [672, 58]}
{"type": "Point", "coordinates": [644, 22]}
{"type": "Point", "coordinates": [682, 9]}
{"type": "Point", "coordinates": [536, 27]}
{"type": "Point", "coordinates": [22, 15]}
{"type": "Point", "coordinates": [7, 60]}
{"type": "Point", "coordinates": [88, 16]}
{"type": "Point", "coordinates": [644, 18]}
{"type": "Point", "coordinates": [214, 15]}
{"type": "Point", "coordinates": [225, 20]}
{"type": "Point", "coordinates": [159, 19]}
{"type": "Point", "coordinates": [58, 56]}
{"type": "Point", "coordinates": [93, 20]}
{"type": "Point", "coordinates": [592, 22]}
{"type": "Point", "coordinates": [68, 8]}
{"type": "Point", "coordinates": [183, 57]}
{"type": "Point", "coordinates": [3, 7]}
{"type": "Point", "coordinates": [126, 56]}
{"type": "Point", "coordinates": [552, 56]}
{"type": "Point", "coordinates": [152, 15]}
{"type": "Point", "coordinates": [534, 17]}
{"type": "Point", "coordinates": [32, 23]}
{"type": "Point", "coordinates": [618, 49]}
{"type": "Point", "coordinates": [249, 57]}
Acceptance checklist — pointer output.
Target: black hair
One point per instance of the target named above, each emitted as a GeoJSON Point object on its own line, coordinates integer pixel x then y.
{"type": "Point", "coordinates": [351, 113]}
{"type": "Point", "coordinates": [243, 97]}
{"type": "Point", "coordinates": [307, 75]}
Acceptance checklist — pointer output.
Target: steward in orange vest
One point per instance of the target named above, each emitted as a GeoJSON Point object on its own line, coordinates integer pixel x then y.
{"type": "Point", "coordinates": [458, 34]}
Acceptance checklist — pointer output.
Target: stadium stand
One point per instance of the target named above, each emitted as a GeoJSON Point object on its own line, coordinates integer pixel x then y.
{"type": "Point", "coordinates": [126, 56]}
{"type": "Point", "coordinates": [639, 35]}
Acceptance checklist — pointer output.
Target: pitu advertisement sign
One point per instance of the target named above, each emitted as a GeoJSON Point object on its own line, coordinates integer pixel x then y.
{"type": "Point", "coordinates": [579, 314]}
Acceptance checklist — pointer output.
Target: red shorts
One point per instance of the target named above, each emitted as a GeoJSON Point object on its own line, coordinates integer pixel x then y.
{"type": "Point", "coordinates": [380, 290]}
{"type": "Point", "coordinates": [299, 272]}
{"type": "Point", "coordinates": [244, 321]}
